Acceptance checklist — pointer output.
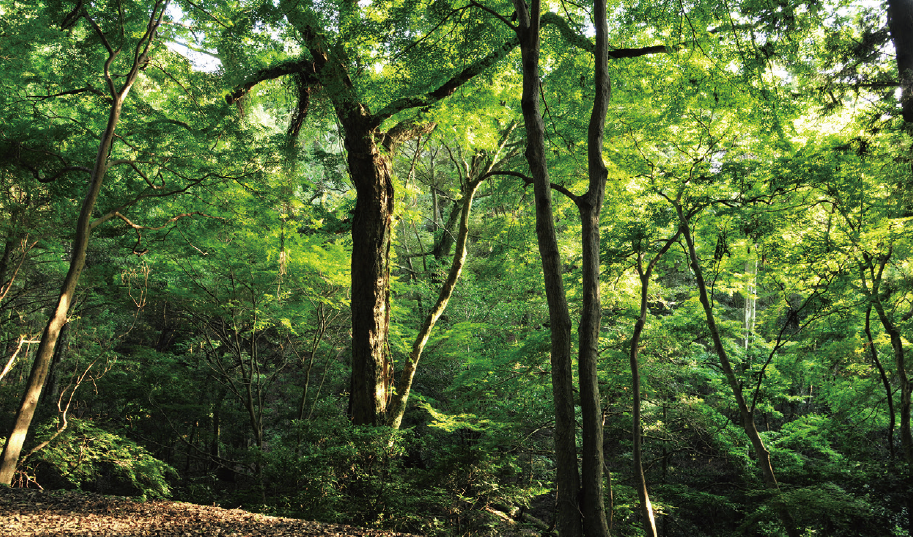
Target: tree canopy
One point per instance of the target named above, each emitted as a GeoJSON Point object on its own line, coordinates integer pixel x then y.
{"type": "Point", "coordinates": [463, 267]}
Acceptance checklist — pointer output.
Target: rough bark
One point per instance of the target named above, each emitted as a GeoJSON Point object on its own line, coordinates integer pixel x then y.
{"type": "Point", "coordinates": [569, 523]}
{"type": "Point", "coordinates": [747, 417]}
{"type": "Point", "coordinates": [372, 228]}
{"type": "Point", "coordinates": [45, 352]}
{"type": "Point", "coordinates": [900, 23]}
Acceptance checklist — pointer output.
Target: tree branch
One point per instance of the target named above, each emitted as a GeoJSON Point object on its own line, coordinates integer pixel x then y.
{"type": "Point", "coordinates": [302, 67]}
{"type": "Point", "coordinates": [449, 87]}
{"type": "Point", "coordinates": [583, 43]}
{"type": "Point", "coordinates": [529, 180]}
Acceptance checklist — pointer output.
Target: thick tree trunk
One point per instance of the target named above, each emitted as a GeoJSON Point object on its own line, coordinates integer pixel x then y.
{"type": "Point", "coordinates": [900, 23]}
{"type": "Point", "coordinates": [569, 522]}
{"type": "Point", "coordinates": [748, 423]}
{"type": "Point", "coordinates": [372, 228]}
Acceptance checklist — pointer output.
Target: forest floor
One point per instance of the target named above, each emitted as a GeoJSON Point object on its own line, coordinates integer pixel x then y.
{"type": "Point", "coordinates": [33, 513]}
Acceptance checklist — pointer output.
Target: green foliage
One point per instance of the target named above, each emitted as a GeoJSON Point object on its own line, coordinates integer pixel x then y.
{"type": "Point", "coordinates": [226, 330]}
{"type": "Point", "coordinates": [86, 456]}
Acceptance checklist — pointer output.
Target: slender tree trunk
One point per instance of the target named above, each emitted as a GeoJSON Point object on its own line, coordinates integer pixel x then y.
{"type": "Point", "coordinates": [646, 508]}
{"type": "Point", "coordinates": [748, 423]}
{"type": "Point", "coordinates": [404, 386]}
{"type": "Point", "coordinates": [569, 522]}
{"type": "Point", "coordinates": [868, 265]}
{"type": "Point", "coordinates": [214, 446]}
{"type": "Point", "coordinates": [58, 319]}
{"type": "Point", "coordinates": [45, 352]}
{"type": "Point", "coordinates": [590, 206]}
{"type": "Point", "coordinates": [889, 393]}
{"type": "Point", "coordinates": [906, 439]}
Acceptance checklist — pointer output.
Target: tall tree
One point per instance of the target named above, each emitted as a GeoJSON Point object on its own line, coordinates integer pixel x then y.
{"type": "Point", "coordinates": [568, 477]}
{"type": "Point", "coordinates": [118, 86]}
{"type": "Point", "coordinates": [746, 413]}
{"type": "Point", "coordinates": [644, 274]}
{"type": "Point", "coordinates": [482, 168]}
{"type": "Point", "coordinates": [330, 64]}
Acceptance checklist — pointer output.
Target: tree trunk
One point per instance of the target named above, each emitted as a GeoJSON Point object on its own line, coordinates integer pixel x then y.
{"type": "Point", "coordinates": [590, 207]}
{"type": "Point", "coordinates": [889, 393]}
{"type": "Point", "coordinates": [900, 23]}
{"type": "Point", "coordinates": [906, 439]}
{"type": "Point", "coordinates": [646, 508]}
{"type": "Point", "coordinates": [45, 352]}
{"type": "Point", "coordinates": [404, 386]}
{"type": "Point", "coordinates": [569, 522]}
{"type": "Point", "coordinates": [868, 264]}
{"type": "Point", "coordinates": [372, 227]}
{"type": "Point", "coordinates": [748, 423]}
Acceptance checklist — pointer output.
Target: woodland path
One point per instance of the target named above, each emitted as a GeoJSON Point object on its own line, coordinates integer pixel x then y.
{"type": "Point", "coordinates": [33, 513]}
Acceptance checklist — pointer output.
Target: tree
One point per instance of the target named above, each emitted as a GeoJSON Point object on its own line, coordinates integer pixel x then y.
{"type": "Point", "coordinates": [482, 169]}
{"type": "Point", "coordinates": [335, 66]}
{"type": "Point", "coordinates": [900, 24]}
{"type": "Point", "coordinates": [114, 45]}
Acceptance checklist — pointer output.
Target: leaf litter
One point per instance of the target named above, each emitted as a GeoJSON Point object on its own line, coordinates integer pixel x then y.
{"type": "Point", "coordinates": [37, 513]}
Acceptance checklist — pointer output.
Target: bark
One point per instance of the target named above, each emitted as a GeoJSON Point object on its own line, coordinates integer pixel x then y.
{"type": "Point", "coordinates": [372, 228]}
{"type": "Point", "coordinates": [646, 508]}
{"type": "Point", "coordinates": [906, 440]}
{"type": "Point", "coordinates": [889, 393]}
{"type": "Point", "coordinates": [45, 352]}
{"type": "Point", "coordinates": [590, 206]}
{"type": "Point", "coordinates": [404, 385]}
{"type": "Point", "coordinates": [569, 523]}
{"type": "Point", "coordinates": [900, 23]}
{"type": "Point", "coordinates": [874, 295]}
{"type": "Point", "coordinates": [747, 417]}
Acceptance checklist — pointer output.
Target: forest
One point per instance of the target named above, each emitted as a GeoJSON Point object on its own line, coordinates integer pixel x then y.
{"type": "Point", "coordinates": [464, 267]}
